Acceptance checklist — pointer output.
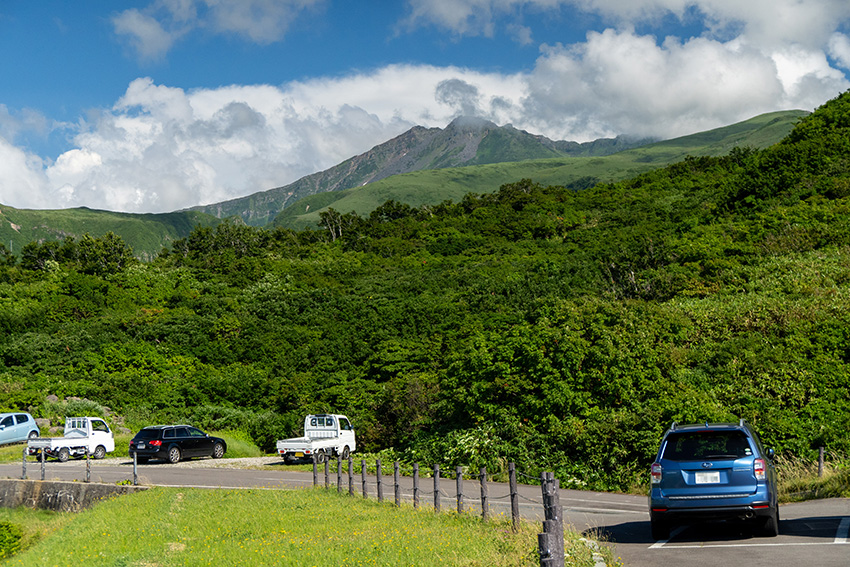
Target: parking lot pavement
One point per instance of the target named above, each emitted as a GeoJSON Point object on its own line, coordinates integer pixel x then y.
{"type": "Point", "coordinates": [815, 532]}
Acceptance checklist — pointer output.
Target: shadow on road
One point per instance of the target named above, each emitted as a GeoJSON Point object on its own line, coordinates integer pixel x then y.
{"type": "Point", "coordinates": [708, 532]}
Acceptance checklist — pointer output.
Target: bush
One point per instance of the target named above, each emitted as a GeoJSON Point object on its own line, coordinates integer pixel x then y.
{"type": "Point", "coordinates": [10, 539]}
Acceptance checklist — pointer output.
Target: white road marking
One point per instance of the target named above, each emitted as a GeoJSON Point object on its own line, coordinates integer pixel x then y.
{"type": "Point", "coordinates": [660, 543]}
{"type": "Point", "coordinates": [712, 546]}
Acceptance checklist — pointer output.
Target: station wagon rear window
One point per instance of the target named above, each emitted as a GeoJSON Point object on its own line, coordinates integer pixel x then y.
{"type": "Point", "coordinates": [695, 445]}
{"type": "Point", "coordinates": [148, 434]}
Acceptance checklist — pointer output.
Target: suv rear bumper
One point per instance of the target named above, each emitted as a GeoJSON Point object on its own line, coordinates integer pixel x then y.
{"type": "Point", "coordinates": [746, 512]}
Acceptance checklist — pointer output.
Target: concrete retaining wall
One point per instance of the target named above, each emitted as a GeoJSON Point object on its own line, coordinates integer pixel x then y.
{"type": "Point", "coordinates": [59, 496]}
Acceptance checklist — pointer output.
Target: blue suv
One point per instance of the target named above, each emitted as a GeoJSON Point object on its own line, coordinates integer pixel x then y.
{"type": "Point", "coordinates": [713, 471]}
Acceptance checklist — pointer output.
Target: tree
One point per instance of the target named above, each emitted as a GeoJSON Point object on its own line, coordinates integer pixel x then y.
{"type": "Point", "coordinates": [106, 255]}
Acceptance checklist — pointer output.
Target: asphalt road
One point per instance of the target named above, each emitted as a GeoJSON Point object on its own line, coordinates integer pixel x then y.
{"type": "Point", "coordinates": [815, 532]}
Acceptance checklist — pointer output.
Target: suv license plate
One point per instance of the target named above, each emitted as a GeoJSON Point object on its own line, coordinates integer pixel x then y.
{"type": "Point", "coordinates": [712, 477]}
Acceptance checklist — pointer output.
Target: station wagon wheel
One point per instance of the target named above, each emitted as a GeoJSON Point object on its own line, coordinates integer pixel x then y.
{"type": "Point", "coordinates": [99, 452]}
{"type": "Point", "coordinates": [174, 455]}
{"type": "Point", "coordinates": [218, 451]}
{"type": "Point", "coordinates": [64, 455]}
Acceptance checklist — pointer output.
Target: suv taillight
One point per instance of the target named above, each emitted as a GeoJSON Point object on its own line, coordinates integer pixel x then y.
{"type": "Point", "coordinates": [655, 472]}
{"type": "Point", "coordinates": [155, 443]}
{"type": "Point", "coordinates": [759, 469]}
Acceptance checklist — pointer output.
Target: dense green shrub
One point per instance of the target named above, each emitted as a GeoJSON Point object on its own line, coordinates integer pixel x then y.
{"type": "Point", "coordinates": [10, 539]}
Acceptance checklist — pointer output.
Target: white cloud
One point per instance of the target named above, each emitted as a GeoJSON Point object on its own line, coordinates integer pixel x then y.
{"type": "Point", "coordinates": [145, 34]}
{"type": "Point", "coordinates": [765, 22]}
{"type": "Point", "coordinates": [839, 49]}
{"type": "Point", "coordinates": [154, 30]}
{"type": "Point", "coordinates": [620, 82]}
{"type": "Point", "coordinates": [22, 181]}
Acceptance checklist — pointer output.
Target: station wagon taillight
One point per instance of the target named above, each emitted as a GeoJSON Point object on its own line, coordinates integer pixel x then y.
{"type": "Point", "coordinates": [655, 472]}
{"type": "Point", "coordinates": [155, 443]}
{"type": "Point", "coordinates": [759, 469]}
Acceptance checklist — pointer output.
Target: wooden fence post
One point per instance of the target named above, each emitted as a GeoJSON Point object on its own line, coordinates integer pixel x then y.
{"type": "Point", "coordinates": [514, 496]}
{"type": "Point", "coordinates": [379, 481]}
{"type": "Point", "coordinates": [436, 488]}
{"type": "Point", "coordinates": [42, 464]}
{"type": "Point", "coordinates": [459, 476]}
{"type": "Point", "coordinates": [485, 506]}
{"type": "Point", "coordinates": [350, 476]}
{"type": "Point", "coordinates": [315, 471]}
{"type": "Point", "coordinates": [415, 486]}
{"type": "Point", "coordinates": [88, 466]}
{"type": "Point", "coordinates": [327, 471]}
{"type": "Point", "coordinates": [553, 524]}
{"type": "Point", "coordinates": [24, 465]}
{"type": "Point", "coordinates": [363, 478]}
{"type": "Point", "coordinates": [339, 474]}
{"type": "Point", "coordinates": [820, 462]}
{"type": "Point", "coordinates": [396, 485]}
{"type": "Point", "coordinates": [544, 548]}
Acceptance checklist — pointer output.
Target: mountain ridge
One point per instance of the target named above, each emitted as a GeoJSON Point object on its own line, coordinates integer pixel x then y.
{"type": "Point", "coordinates": [464, 141]}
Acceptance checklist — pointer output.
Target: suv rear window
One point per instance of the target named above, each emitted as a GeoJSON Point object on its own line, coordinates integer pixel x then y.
{"type": "Point", "coordinates": [695, 445]}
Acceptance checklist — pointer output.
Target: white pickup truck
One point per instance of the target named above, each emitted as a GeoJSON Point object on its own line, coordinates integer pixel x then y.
{"type": "Point", "coordinates": [82, 434]}
{"type": "Point", "coordinates": [324, 435]}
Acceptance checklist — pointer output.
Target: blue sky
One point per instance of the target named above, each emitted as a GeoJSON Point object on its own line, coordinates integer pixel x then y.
{"type": "Point", "coordinates": [154, 105]}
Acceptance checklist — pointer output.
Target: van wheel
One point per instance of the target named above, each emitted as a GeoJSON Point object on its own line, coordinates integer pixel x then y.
{"type": "Point", "coordinates": [99, 452]}
{"type": "Point", "coordinates": [63, 455]}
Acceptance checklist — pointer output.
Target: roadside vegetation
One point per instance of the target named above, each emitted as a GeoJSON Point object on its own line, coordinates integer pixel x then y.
{"type": "Point", "coordinates": [560, 328]}
{"type": "Point", "coordinates": [169, 526]}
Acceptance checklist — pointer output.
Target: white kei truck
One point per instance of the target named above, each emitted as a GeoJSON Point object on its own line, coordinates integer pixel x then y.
{"type": "Point", "coordinates": [324, 435]}
{"type": "Point", "coordinates": [82, 434]}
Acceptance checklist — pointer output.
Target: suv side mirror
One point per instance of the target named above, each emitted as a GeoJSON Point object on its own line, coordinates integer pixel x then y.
{"type": "Point", "coordinates": [770, 453]}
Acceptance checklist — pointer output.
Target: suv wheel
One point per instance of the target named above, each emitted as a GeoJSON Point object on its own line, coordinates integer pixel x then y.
{"type": "Point", "coordinates": [770, 524]}
{"type": "Point", "coordinates": [660, 530]}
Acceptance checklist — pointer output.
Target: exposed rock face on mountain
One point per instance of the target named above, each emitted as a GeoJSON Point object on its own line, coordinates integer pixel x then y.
{"type": "Point", "coordinates": [465, 141]}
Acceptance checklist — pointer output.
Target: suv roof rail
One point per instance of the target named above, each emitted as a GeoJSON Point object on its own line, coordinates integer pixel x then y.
{"type": "Point", "coordinates": [674, 425]}
{"type": "Point", "coordinates": [742, 422]}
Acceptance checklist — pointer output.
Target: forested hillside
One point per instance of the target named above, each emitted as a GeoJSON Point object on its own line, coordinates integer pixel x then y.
{"type": "Point", "coordinates": [560, 329]}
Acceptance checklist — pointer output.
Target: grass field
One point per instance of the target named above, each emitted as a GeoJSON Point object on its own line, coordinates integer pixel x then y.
{"type": "Point", "coordinates": [171, 526]}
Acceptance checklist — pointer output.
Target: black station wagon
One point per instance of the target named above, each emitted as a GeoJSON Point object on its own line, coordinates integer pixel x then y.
{"type": "Point", "coordinates": [173, 443]}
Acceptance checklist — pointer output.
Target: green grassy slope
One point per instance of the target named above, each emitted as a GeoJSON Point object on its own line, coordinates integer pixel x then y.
{"type": "Point", "coordinates": [146, 234]}
{"type": "Point", "coordinates": [434, 186]}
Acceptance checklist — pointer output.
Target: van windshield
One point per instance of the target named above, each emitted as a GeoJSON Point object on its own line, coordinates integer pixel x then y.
{"type": "Point", "coordinates": [695, 445]}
